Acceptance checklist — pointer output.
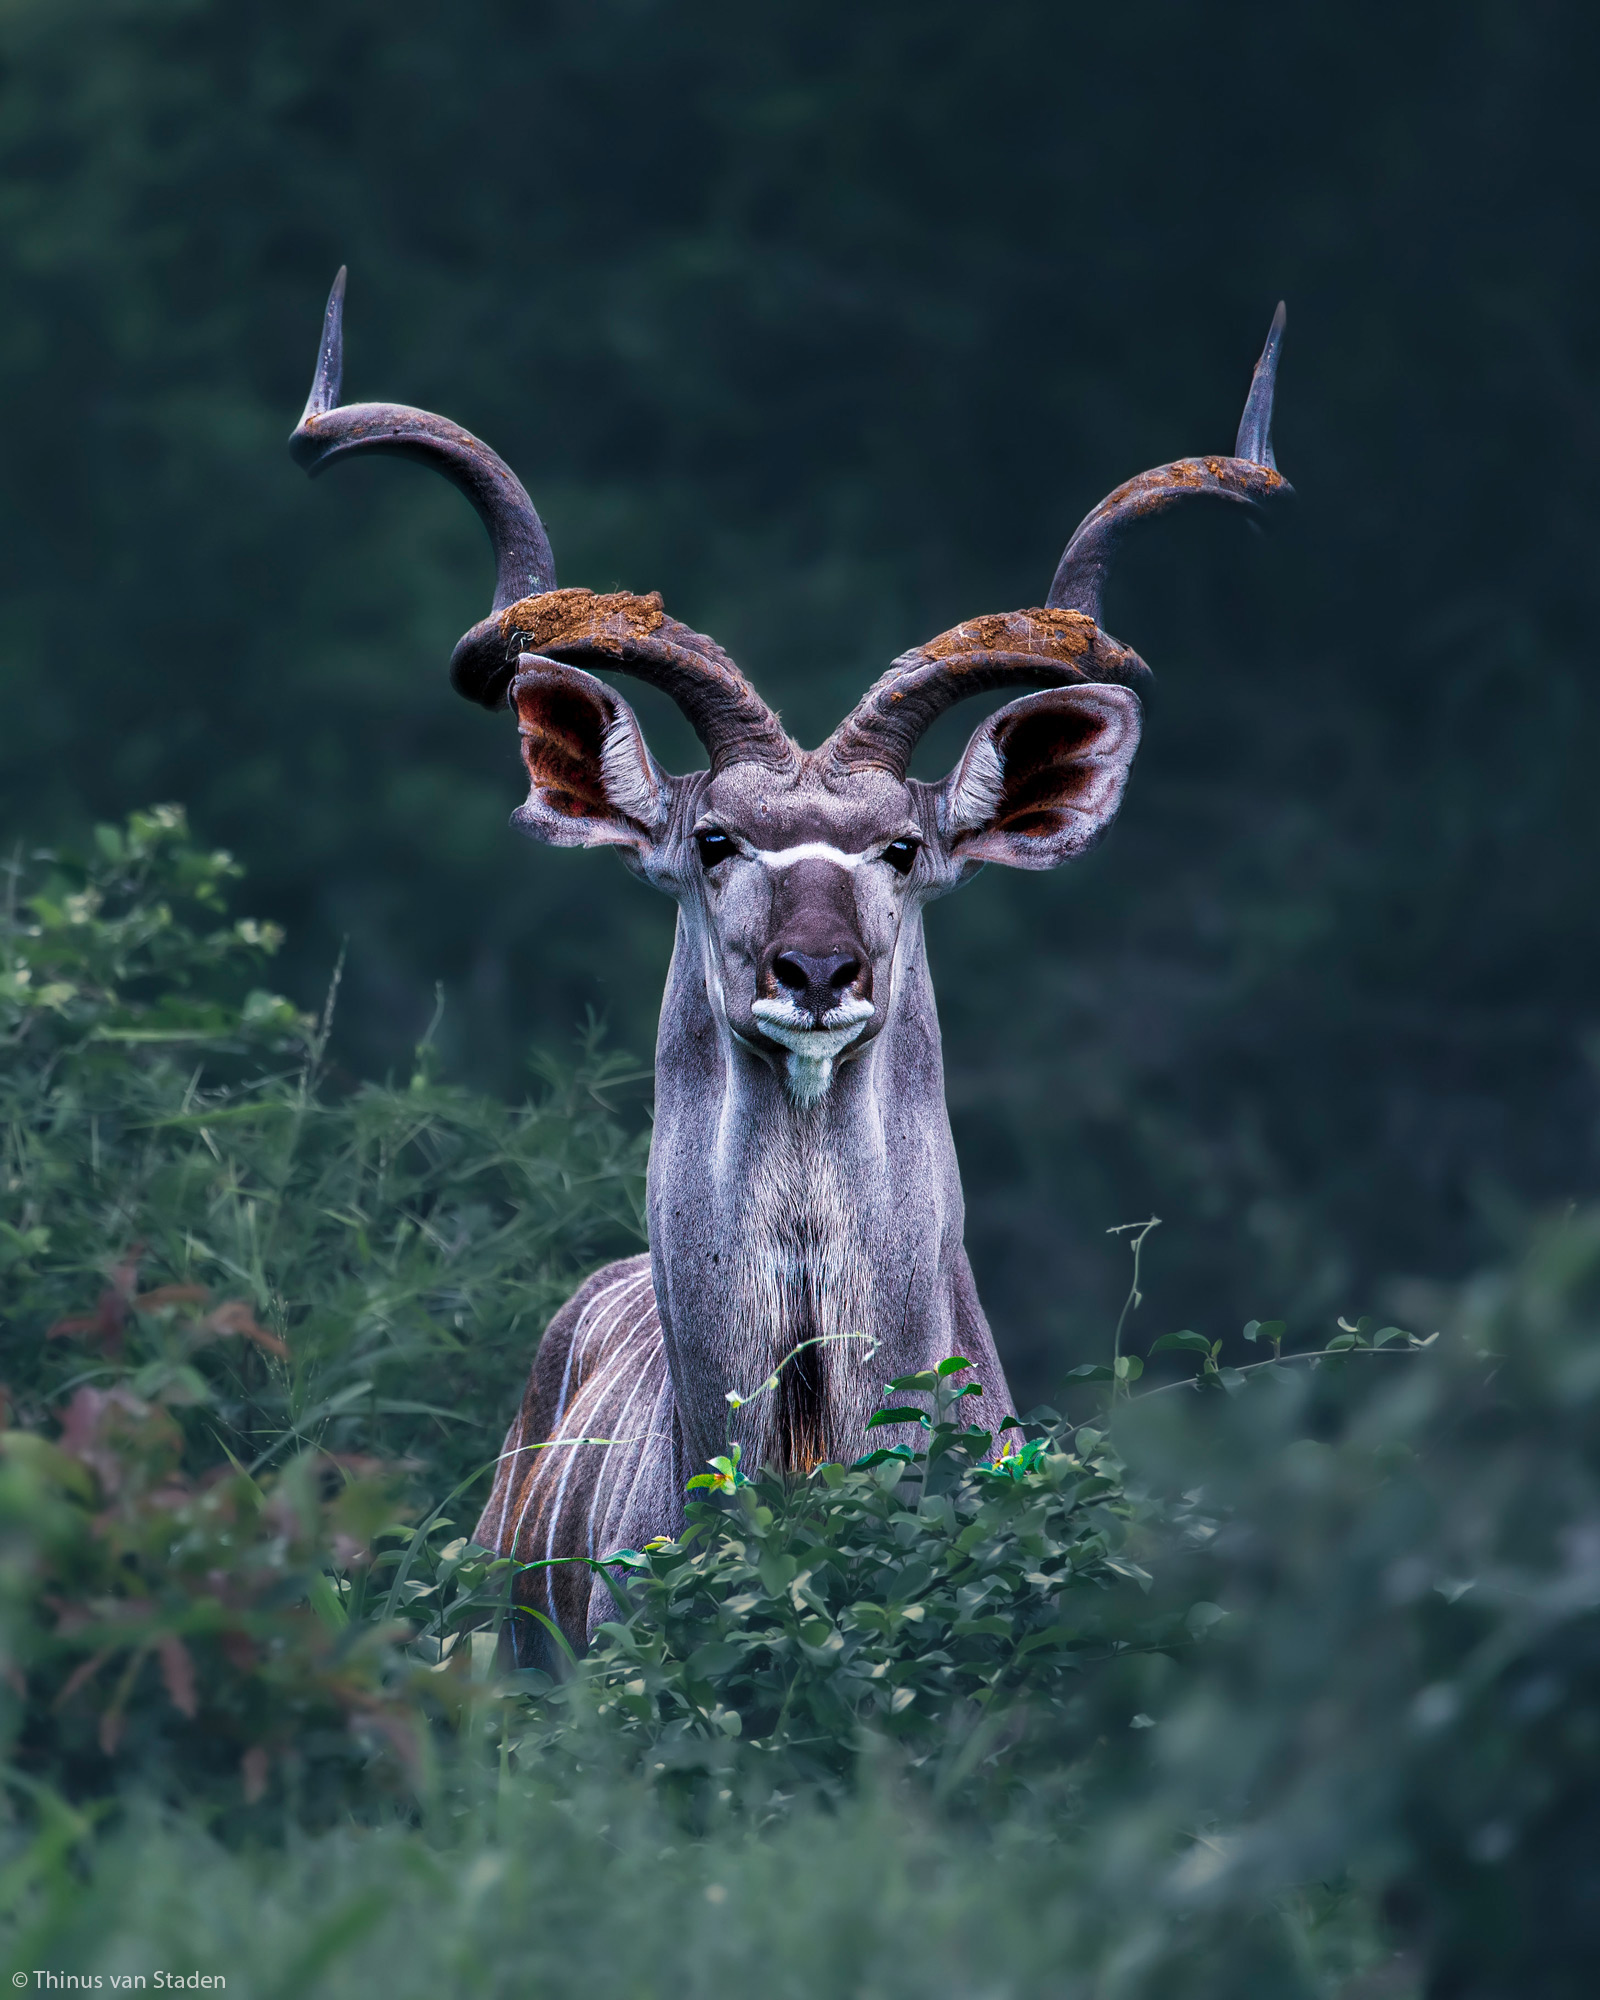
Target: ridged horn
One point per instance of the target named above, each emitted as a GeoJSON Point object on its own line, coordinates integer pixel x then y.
{"type": "Point", "coordinates": [1060, 642]}
{"type": "Point", "coordinates": [328, 431]}
{"type": "Point", "coordinates": [1247, 478]}
{"type": "Point", "coordinates": [628, 634]}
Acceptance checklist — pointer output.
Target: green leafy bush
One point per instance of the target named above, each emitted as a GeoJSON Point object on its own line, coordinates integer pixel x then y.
{"type": "Point", "coordinates": [165, 1123]}
{"type": "Point", "coordinates": [1407, 1685]}
{"type": "Point", "coordinates": [926, 1597]}
{"type": "Point", "coordinates": [269, 1312]}
{"type": "Point", "coordinates": [186, 1633]}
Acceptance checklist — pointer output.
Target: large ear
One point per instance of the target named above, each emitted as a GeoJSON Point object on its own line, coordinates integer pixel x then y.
{"type": "Point", "coordinates": [1041, 780]}
{"type": "Point", "coordinates": [592, 780]}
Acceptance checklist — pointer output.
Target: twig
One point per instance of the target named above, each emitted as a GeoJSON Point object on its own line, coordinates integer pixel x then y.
{"type": "Point", "coordinates": [1135, 1297]}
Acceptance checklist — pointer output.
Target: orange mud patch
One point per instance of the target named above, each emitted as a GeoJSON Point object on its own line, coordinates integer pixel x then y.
{"type": "Point", "coordinates": [1152, 490]}
{"type": "Point", "coordinates": [579, 617]}
{"type": "Point", "coordinates": [1056, 635]}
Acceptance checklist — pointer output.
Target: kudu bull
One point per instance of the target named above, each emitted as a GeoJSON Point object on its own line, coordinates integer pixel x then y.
{"type": "Point", "coordinates": [803, 1183]}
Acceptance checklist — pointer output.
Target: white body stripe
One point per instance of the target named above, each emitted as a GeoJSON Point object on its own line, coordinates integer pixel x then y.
{"type": "Point", "coordinates": [607, 1480]}
{"type": "Point", "coordinates": [580, 1339]}
{"type": "Point", "coordinates": [592, 1394]}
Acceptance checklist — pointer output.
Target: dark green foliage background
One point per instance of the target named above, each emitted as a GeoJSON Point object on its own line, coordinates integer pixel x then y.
{"type": "Point", "coordinates": [829, 322]}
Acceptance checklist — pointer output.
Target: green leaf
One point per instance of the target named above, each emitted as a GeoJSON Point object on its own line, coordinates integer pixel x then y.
{"type": "Point", "coordinates": [1271, 1330]}
{"type": "Point", "coordinates": [714, 1658]}
{"type": "Point", "coordinates": [900, 1414]}
{"type": "Point", "coordinates": [777, 1572]}
{"type": "Point", "coordinates": [1051, 1636]}
{"type": "Point", "coordinates": [250, 1113]}
{"type": "Point", "coordinates": [326, 1602]}
{"type": "Point", "coordinates": [171, 1382]}
{"type": "Point", "coordinates": [926, 1380]}
{"type": "Point", "coordinates": [1090, 1371]}
{"type": "Point", "coordinates": [1189, 1343]}
{"type": "Point", "coordinates": [1129, 1367]}
{"type": "Point", "coordinates": [953, 1366]}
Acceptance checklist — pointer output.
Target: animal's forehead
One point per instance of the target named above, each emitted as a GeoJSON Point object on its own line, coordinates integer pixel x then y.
{"type": "Point", "coordinates": [772, 810]}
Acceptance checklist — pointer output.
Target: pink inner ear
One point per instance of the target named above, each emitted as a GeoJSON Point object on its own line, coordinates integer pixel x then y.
{"type": "Point", "coordinates": [562, 737]}
{"type": "Point", "coordinates": [1046, 769]}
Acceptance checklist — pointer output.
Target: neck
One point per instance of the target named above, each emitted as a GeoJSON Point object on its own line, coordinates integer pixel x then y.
{"type": "Point", "coordinates": [776, 1221]}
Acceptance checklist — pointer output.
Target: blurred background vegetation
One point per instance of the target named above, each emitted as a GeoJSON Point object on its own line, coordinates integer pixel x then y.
{"type": "Point", "coordinates": [829, 322]}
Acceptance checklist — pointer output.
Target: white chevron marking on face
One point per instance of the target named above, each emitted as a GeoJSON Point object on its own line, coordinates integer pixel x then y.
{"type": "Point", "coordinates": [808, 850]}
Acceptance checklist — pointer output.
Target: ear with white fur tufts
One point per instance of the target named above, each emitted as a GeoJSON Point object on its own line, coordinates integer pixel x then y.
{"type": "Point", "coordinates": [592, 780]}
{"type": "Point", "coordinates": [1042, 779]}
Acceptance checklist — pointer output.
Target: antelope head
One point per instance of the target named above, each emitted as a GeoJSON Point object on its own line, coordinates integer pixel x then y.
{"type": "Point", "coordinates": [797, 871]}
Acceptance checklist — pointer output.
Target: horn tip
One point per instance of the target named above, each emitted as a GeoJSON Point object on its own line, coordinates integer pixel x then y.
{"type": "Point", "coordinates": [328, 377]}
{"type": "Point", "coordinates": [1254, 441]}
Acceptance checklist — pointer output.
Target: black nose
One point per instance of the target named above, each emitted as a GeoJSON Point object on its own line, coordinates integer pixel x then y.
{"type": "Point", "coordinates": [817, 983]}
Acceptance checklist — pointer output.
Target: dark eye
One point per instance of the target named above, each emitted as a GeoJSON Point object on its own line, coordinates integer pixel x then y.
{"type": "Point", "coordinates": [900, 855]}
{"type": "Point", "coordinates": [714, 846]}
